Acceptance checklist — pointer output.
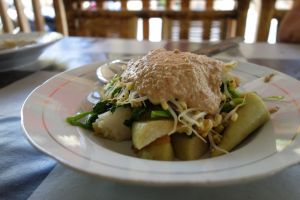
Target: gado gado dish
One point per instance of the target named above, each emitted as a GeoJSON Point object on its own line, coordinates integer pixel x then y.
{"type": "Point", "coordinates": [175, 105]}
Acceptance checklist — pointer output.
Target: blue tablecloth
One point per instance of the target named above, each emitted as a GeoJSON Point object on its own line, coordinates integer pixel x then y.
{"type": "Point", "coordinates": [22, 167]}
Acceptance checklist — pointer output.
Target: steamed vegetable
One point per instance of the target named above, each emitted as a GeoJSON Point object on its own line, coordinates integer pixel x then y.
{"type": "Point", "coordinates": [184, 120]}
{"type": "Point", "coordinates": [250, 116]}
{"type": "Point", "coordinates": [111, 124]}
{"type": "Point", "coordinates": [188, 147]}
{"type": "Point", "coordinates": [86, 119]}
{"type": "Point", "coordinates": [145, 132]}
{"type": "Point", "coordinates": [156, 114]}
{"type": "Point", "coordinates": [160, 149]}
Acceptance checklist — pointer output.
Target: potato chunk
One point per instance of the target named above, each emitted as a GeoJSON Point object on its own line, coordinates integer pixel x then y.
{"type": "Point", "coordinates": [160, 149]}
{"type": "Point", "coordinates": [111, 124]}
{"type": "Point", "coordinates": [145, 132]}
{"type": "Point", "coordinates": [250, 117]}
{"type": "Point", "coordinates": [188, 147]}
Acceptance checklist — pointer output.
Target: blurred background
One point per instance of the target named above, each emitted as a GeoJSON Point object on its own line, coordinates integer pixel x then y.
{"type": "Point", "coordinates": [156, 20]}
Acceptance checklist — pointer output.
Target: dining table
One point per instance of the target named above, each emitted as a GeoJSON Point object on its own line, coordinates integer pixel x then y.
{"type": "Point", "coordinates": [27, 173]}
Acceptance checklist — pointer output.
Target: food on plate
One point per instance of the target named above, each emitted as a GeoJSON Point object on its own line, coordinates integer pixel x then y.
{"type": "Point", "coordinates": [110, 124]}
{"type": "Point", "coordinates": [188, 147]}
{"type": "Point", "coordinates": [14, 43]}
{"type": "Point", "coordinates": [145, 132]}
{"type": "Point", "coordinates": [160, 149]}
{"type": "Point", "coordinates": [269, 77]}
{"type": "Point", "coordinates": [252, 115]}
{"type": "Point", "coordinates": [175, 105]}
{"type": "Point", "coordinates": [274, 109]}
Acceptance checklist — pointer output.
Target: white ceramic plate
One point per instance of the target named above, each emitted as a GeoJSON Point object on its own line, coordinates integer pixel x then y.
{"type": "Point", "coordinates": [22, 55]}
{"type": "Point", "coordinates": [272, 148]}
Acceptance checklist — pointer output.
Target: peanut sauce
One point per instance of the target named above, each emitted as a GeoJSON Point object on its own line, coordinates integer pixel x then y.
{"type": "Point", "coordinates": [163, 75]}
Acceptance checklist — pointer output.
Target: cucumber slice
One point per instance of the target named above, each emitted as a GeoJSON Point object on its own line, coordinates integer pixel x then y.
{"type": "Point", "coordinates": [250, 117]}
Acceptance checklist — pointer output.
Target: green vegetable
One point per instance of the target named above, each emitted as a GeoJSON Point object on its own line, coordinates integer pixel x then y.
{"type": "Point", "coordinates": [227, 107]}
{"type": "Point", "coordinates": [233, 92]}
{"type": "Point", "coordinates": [229, 90]}
{"type": "Point", "coordinates": [232, 104]}
{"type": "Point", "coordinates": [90, 117]}
{"type": "Point", "coordinates": [236, 101]}
{"type": "Point", "coordinates": [101, 107]}
{"type": "Point", "coordinates": [75, 120]}
{"type": "Point", "coordinates": [136, 114]}
{"type": "Point", "coordinates": [111, 83]}
{"type": "Point", "coordinates": [116, 91]}
{"type": "Point", "coordinates": [160, 114]}
{"type": "Point", "coordinates": [222, 87]}
{"type": "Point", "coordinates": [273, 98]}
{"type": "Point", "coordinates": [77, 117]}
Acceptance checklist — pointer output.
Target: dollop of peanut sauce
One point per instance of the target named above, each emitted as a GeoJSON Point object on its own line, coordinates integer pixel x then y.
{"type": "Point", "coordinates": [163, 75]}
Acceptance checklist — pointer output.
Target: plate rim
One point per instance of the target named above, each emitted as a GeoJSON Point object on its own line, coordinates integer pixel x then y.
{"type": "Point", "coordinates": [58, 36]}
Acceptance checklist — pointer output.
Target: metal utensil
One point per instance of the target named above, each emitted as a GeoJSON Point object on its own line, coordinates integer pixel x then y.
{"type": "Point", "coordinates": [219, 47]}
{"type": "Point", "coordinates": [107, 71]}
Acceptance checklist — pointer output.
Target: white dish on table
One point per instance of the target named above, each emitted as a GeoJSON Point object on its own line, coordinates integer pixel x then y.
{"type": "Point", "coordinates": [270, 149]}
{"type": "Point", "coordinates": [28, 47]}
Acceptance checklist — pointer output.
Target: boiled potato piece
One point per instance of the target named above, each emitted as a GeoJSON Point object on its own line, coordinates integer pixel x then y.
{"type": "Point", "coordinates": [160, 149]}
{"type": "Point", "coordinates": [111, 124]}
{"type": "Point", "coordinates": [143, 133]}
{"type": "Point", "coordinates": [250, 117]}
{"type": "Point", "coordinates": [188, 147]}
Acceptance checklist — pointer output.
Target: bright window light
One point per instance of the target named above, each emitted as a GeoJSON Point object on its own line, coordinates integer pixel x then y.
{"type": "Point", "coordinates": [273, 31]}
{"type": "Point", "coordinates": [224, 5]}
{"type": "Point", "coordinates": [139, 34]}
{"type": "Point", "coordinates": [85, 5]}
{"type": "Point", "coordinates": [284, 4]}
{"type": "Point", "coordinates": [155, 28]}
{"type": "Point", "coordinates": [251, 24]}
{"type": "Point", "coordinates": [111, 5]}
{"type": "Point", "coordinates": [134, 5]}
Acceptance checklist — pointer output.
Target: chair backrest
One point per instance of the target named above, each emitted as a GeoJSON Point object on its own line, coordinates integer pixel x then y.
{"type": "Point", "coordinates": [231, 22]}
{"type": "Point", "coordinates": [39, 21]}
{"type": "Point", "coordinates": [97, 21]}
{"type": "Point", "coordinates": [267, 13]}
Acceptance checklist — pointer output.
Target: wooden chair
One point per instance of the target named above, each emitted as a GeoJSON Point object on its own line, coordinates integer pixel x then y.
{"type": "Point", "coordinates": [23, 23]}
{"type": "Point", "coordinates": [268, 12]}
{"type": "Point", "coordinates": [102, 22]}
{"type": "Point", "coordinates": [232, 22]}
